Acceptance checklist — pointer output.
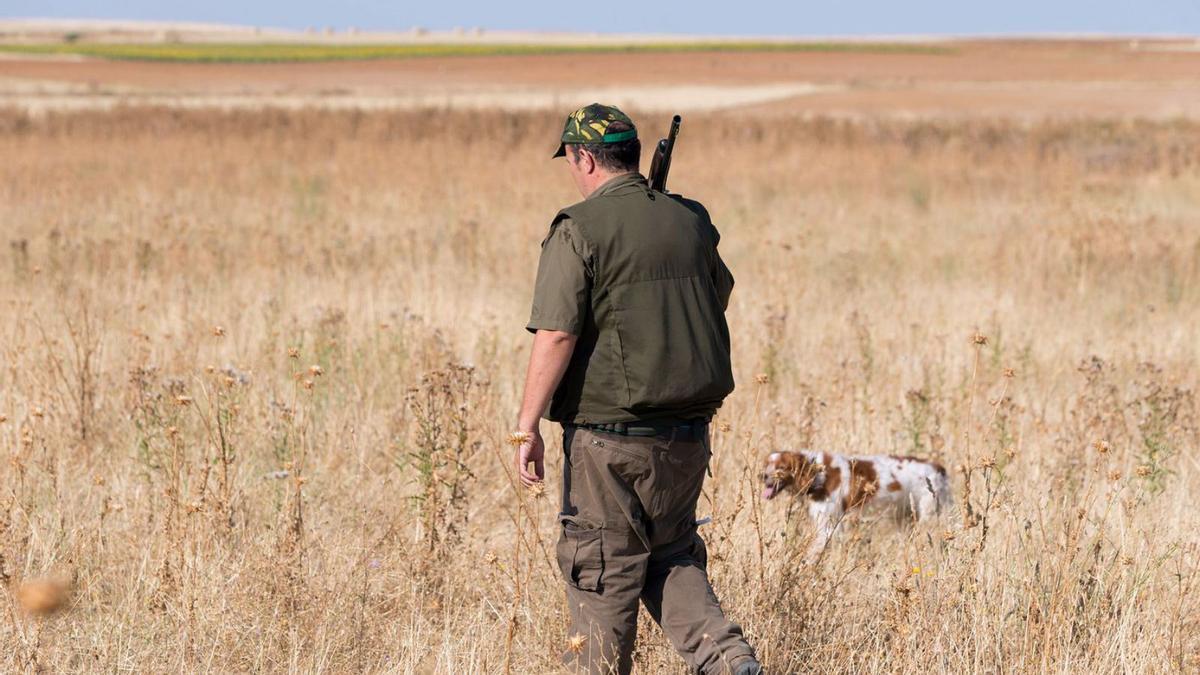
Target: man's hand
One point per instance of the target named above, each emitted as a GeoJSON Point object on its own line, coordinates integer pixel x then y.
{"type": "Point", "coordinates": [547, 363]}
{"type": "Point", "coordinates": [532, 450]}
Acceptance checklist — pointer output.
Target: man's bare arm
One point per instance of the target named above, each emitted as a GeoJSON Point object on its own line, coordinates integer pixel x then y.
{"type": "Point", "coordinates": [552, 351]}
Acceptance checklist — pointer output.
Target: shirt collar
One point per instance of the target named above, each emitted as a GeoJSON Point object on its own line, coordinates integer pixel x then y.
{"type": "Point", "coordinates": [617, 182]}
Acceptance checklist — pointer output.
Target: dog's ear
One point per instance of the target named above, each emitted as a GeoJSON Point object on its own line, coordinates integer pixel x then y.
{"type": "Point", "coordinates": [791, 463]}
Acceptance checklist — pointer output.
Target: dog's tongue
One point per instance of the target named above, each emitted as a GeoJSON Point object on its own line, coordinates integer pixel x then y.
{"type": "Point", "coordinates": [768, 492]}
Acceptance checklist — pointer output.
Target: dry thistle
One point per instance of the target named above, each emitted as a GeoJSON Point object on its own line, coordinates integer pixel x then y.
{"type": "Point", "coordinates": [315, 370]}
{"type": "Point", "coordinates": [1114, 475]}
{"type": "Point", "coordinates": [575, 643]}
{"type": "Point", "coordinates": [537, 490]}
{"type": "Point", "coordinates": [218, 331]}
{"type": "Point", "coordinates": [308, 384]}
{"type": "Point", "coordinates": [293, 352]}
{"type": "Point", "coordinates": [3, 419]}
{"type": "Point", "coordinates": [1009, 373]}
{"type": "Point", "coordinates": [724, 427]}
{"type": "Point", "coordinates": [762, 378]}
{"type": "Point", "coordinates": [988, 462]}
{"type": "Point", "coordinates": [979, 339]}
{"type": "Point", "coordinates": [519, 438]}
{"type": "Point", "coordinates": [42, 597]}
{"type": "Point", "coordinates": [491, 558]}
{"type": "Point", "coordinates": [38, 412]}
{"type": "Point", "coordinates": [1101, 447]}
{"type": "Point", "coordinates": [183, 400]}
{"type": "Point", "coordinates": [1144, 470]}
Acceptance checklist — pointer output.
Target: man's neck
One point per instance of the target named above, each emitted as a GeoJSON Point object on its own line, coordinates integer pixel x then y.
{"type": "Point", "coordinates": [601, 179]}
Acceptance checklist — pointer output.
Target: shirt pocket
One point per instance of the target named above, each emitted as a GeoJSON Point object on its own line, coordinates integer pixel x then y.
{"type": "Point", "coordinates": [580, 553]}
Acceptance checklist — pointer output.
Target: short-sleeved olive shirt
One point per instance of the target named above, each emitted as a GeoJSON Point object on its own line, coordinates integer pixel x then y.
{"type": "Point", "coordinates": [635, 274]}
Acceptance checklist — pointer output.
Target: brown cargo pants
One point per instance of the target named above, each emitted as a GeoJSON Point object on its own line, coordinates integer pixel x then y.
{"type": "Point", "coordinates": [629, 534]}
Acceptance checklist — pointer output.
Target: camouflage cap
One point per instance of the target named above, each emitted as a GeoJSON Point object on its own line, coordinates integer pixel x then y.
{"type": "Point", "coordinates": [590, 124]}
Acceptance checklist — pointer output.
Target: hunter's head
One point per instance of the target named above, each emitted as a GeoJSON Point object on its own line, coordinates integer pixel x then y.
{"type": "Point", "coordinates": [599, 142]}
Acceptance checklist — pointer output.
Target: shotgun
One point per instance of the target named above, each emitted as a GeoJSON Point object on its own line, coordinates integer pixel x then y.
{"type": "Point", "coordinates": [660, 165]}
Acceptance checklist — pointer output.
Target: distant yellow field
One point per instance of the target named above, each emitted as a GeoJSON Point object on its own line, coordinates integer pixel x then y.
{"type": "Point", "coordinates": [277, 53]}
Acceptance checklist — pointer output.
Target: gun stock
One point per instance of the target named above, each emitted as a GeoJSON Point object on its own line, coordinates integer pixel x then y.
{"type": "Point", "coordinates": [660, 165]}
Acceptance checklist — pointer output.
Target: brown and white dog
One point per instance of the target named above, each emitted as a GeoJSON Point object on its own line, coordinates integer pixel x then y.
{"type": "Point", "coordinates": [835, 485]}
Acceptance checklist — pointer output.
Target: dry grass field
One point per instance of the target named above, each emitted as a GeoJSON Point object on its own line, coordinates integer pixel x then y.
{"type": "Point", "coordinates": [258, 371]}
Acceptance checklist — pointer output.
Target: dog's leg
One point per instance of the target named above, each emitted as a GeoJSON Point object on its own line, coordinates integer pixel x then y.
{"type": "Point", "coordinates": [827, 518]}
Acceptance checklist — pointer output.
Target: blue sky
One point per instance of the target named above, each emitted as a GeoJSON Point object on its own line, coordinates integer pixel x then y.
{"type": "Point", "coordinates": [764, 17]}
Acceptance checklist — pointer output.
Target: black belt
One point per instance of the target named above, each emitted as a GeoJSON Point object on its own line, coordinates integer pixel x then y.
{"type": "Point", "coordinates": [677, 430]}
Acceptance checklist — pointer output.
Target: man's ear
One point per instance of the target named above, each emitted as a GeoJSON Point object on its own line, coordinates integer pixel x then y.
{"type": "Point", "coordinates": [586, 160]}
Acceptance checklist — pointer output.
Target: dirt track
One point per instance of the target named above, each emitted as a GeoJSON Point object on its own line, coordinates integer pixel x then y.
{"type": "Point", "coordinates": [1034, 78]}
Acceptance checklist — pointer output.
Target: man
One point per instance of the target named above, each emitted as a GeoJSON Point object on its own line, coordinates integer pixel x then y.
{"type": "Point", "coordinates": [631, 356]}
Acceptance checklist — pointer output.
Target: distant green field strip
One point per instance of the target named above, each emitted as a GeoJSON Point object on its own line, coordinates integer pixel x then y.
{"type": "Point", "coordinates": [273, 53]}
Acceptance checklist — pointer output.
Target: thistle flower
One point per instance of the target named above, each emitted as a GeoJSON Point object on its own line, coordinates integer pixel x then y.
{"type": "Point", "coordinates": [293, 352]}
{"type": "Point", "coordinates": [1009, 373]}
{"type": "Point", "coordinates": [1101, 446]}
{"type": "Point", "coordinates": [1144, 470]}
{"type": "Point", "coordinates": [218, 331]}
{"type": "Point", "coordinates": [762, 378]}
{"type": "Point", "coordinates": [575, 643]}
{"type": "Point", "coordinates": [519, 438]}
{"type": "Point", "coordinates": [315, 370]}
{"type": "Point", "coordinates": [491, 558]}
{"type": "Point", "coordinates": [537, 490]}
{"type": "Point", "coordinates": [979, 339]}
{"type": "Point", "coordinates": [42, 597]}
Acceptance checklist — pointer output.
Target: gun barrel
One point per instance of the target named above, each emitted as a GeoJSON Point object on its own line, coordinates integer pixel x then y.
{"type": "Point", "coordinates": [660, 165]}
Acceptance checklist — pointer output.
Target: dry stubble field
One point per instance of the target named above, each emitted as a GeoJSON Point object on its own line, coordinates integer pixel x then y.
{"type": "Point", "coordinates": [258, 370]}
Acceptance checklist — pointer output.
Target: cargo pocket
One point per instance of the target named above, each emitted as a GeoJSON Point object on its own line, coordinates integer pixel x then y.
{"type": "Point", "coordinates": [581, 554]}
